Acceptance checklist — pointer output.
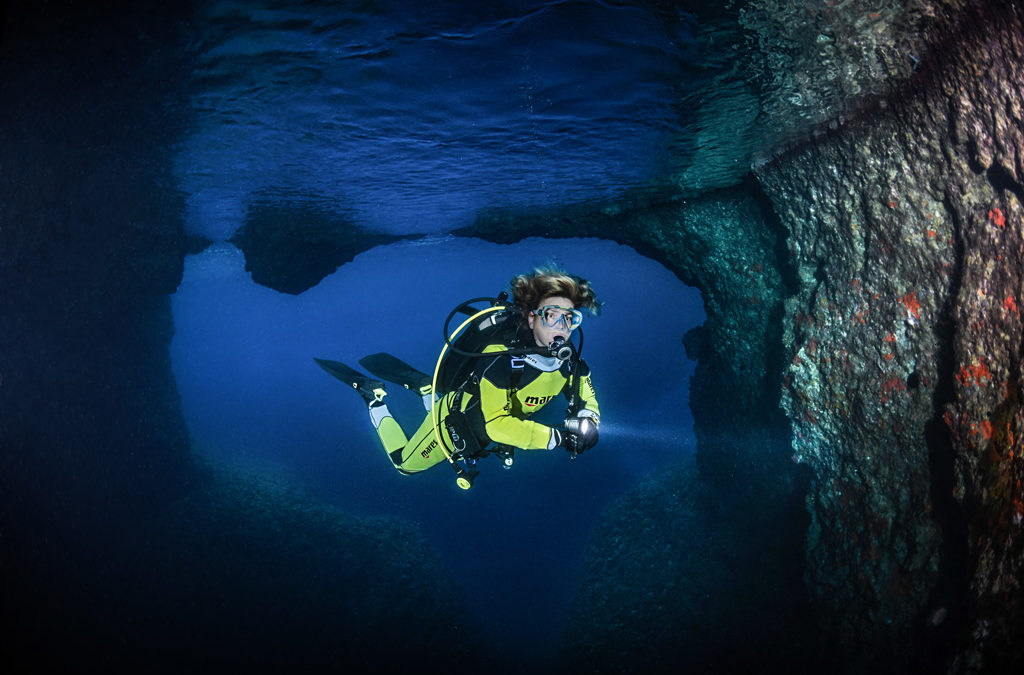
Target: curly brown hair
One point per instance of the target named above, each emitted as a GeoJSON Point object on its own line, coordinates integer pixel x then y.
{"type": "Point", "coordinates": [544, 282]}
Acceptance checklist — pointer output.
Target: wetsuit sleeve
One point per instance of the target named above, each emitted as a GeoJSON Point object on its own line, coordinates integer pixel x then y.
{"type": "Point", "coordinates": [503, 427]}
{"type": "Point", "coordinates": [499, 422]}
{"type": "Point", "coordinates": [588, 397]}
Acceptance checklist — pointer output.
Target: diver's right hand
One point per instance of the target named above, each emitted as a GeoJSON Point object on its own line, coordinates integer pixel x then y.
{"type": "Point", "coordinates": [572, 443]}
{"type": "Point", "coordinates": [568, 440]}
{"type": "Point", "coordinates": [564, 438]}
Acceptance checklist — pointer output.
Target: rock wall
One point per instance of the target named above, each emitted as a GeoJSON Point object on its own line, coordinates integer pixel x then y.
{"type": "Point", "coordinates": [91, 244]}
{"type": "Point", "coordinates": [903, 385]}
{"type": "Point", "coordinates": [117, 552]}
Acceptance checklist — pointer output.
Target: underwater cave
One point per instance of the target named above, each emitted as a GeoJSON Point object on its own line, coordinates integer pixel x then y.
{"type": "Point", "coordinates": [805, 222]}
{"type": "Point", "coordinates": [254, 399]}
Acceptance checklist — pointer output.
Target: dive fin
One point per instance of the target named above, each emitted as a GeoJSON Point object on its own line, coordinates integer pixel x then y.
{"type": "Point", "coordinates": [395, 370]}
{"type": "Point", "coordinates": [371, 390]}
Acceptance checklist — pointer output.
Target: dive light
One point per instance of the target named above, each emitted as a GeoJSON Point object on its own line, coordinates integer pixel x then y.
{"type": "Point", "coordinates": [581, 426]}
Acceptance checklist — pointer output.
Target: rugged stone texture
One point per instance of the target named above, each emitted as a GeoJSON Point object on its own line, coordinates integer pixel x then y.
{"type": "Point", "coordinates": [905, 230]}
{"type": "Point", "coordinates": [815, 64]}
{"type": "Point", "coordinates": [292, 247]}
{"type": "Point", "coordinates": [983, 92]}
{"type": "Point", "coordinates": [665, 589]}
{"type": "Point", "coordinates": [774, 71]}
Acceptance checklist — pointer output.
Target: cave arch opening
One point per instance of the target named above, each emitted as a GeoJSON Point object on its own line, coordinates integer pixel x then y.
{"type": "Point", "coordinates": [253, 397]}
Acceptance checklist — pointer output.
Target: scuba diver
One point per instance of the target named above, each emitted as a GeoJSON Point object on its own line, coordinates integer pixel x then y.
{"type": "Point", "coordinates": [502, 365]}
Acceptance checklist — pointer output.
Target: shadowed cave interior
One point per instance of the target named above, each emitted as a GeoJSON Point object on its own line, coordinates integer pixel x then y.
{"type": "Point", "coordinates": [185, 209]}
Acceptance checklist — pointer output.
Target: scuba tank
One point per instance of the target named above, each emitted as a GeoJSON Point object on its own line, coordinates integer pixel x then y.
{"type": "Point", "coordinates": [496, 323]}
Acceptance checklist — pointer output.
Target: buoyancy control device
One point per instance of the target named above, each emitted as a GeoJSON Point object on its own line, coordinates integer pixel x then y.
{"type": "Point", "coordinates": [498, 323]}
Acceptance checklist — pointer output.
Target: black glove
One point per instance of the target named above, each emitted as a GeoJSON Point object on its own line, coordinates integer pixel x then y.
{"type": "Point", "coordinates": [565, 439]}
{"type": "Point", "coordinates": [571, 442]}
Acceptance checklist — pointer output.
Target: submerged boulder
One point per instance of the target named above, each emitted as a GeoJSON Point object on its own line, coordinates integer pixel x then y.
{"type": "Point", "coordinates": [666, 588]}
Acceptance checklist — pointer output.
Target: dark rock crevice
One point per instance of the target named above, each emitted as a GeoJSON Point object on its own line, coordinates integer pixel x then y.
{"type": "Point", "coordinates": [1002, 180]}
{"type": "Point", "coordinates": [945, 614]}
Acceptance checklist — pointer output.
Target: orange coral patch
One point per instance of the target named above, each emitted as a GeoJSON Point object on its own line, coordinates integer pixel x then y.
{"type": "Point", "coordinates": [968, 375]}
{"type": "Point", "coordinates": [890, 385]}
{"type": "Point", "coordinates": [996, 216]}
{"type": "Point", "coordinates": [910, 300]}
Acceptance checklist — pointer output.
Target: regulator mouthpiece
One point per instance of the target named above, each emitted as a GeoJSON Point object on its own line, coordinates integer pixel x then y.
{"type": "Point", "coordinates": [560, 348]}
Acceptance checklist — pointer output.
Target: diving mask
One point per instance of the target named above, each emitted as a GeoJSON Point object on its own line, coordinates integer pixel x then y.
{"type": "Point", "coordinates": [554, 316]}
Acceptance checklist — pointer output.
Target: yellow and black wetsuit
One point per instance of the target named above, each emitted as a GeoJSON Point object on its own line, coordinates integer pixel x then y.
{"type": "Point", "coordinates": [498, 401]}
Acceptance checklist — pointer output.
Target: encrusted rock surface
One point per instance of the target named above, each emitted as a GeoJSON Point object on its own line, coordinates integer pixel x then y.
{"type": "Point", "coordinates": [816, 63]}
{"type": "Point", "coordinates": [904, 348]}
{"type": "Point", "coordinates": [774, 71]}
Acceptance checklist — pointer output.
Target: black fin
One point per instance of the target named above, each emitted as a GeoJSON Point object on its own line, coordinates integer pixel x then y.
{"type": "Point", "coordinates": [395, 370]}
{"type": "Point", "coordinates": [367, 387]}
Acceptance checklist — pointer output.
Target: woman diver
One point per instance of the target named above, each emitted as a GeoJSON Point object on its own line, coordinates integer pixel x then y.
{"type": "Point", "coordinates": [522, 358]}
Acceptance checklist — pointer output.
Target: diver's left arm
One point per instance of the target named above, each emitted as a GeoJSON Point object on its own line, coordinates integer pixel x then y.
{"type": "Point", "coordinates": [586, 397]}
{"type": "Point", "coordinates": [585, 415]}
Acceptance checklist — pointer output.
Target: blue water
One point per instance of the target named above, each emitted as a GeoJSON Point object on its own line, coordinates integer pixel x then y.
{"type": "Point", "coordinates": [413, 118]}
{"type": "Point", "coordinates": [253, 397]}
